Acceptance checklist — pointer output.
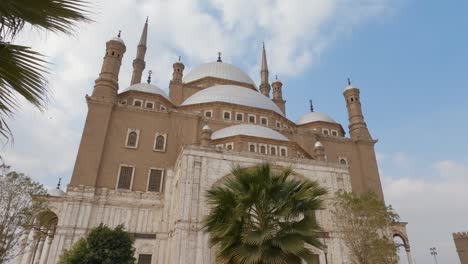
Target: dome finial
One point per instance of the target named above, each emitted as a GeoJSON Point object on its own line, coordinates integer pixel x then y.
{"type": "Point", "coordinates": [349, 81]}
{"type": "Point", "coordinates": [120, 32]}
{"type": "Point", "coordinates": [149, 76]}
{"type": "Point", "coordinates": [219, 57]}
{"type": "Point", "coordinates": [311, 106]}
{"type": "Point", "coordinates": [59, 182]}
{"type": "Point", "coordinates": [180, 57]}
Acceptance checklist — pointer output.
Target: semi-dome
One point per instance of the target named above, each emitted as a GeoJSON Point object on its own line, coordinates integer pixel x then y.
{"type": "Point", "coordinates": [218, 70]}
{"type": "Point", "coordinates": [314, 117]}
{"type": "Point", "coordinates": [232, 94]}
{"type": "Point", "coordinates": [147, 88]}
{"type": "Point", "coordinates": [248, 130]}
{"type": "Point", "coordinates": [56, 192]}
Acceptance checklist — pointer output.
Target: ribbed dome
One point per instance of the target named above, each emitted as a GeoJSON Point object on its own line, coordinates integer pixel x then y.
{"type": "Point", "coordinates": [232, 94]}
{"type": "Point", "coordinates": [56, 192]}
{"type": "Point", "coordinates": [219, 70]}
{"type": "Point", "coordinates": [314, 117]}
{"type": "Point", "coordinates": [248, 130]}
{"type": "Point", "coordinates": [147, 88]}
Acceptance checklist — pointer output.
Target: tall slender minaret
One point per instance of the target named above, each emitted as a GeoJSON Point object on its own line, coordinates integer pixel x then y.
{"type": "Point", "coordinates": [357, 124]}
{"type": "Point", "coordinates": [265, 84]}
{"type": "Point", "coordinates": [139, 62]}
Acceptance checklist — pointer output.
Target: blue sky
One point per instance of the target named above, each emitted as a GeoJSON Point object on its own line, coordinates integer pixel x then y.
{"type": "Point", "coordinates": [409, 58]}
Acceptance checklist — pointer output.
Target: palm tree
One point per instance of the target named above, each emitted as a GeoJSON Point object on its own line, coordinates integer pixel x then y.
{"type": "Point", "coordinates": [22, 70]}
{"type": "Point", "coordinates": [261, 216]}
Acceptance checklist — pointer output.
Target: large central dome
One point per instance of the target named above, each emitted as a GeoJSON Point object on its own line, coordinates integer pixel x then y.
{"type": "Point", "coordinates": [218, 70]}
{"type": "Point", "coordinates": [234, 95]}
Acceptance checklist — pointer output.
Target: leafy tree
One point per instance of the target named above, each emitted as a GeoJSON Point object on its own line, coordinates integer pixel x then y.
{"type": "Point", "coordinates": [103, 245]}
{"type": "Point", "coordinates": [17, 210]}
{"type": "Point", "coordinates": [365, 222]}
{"type": "Point", "coordinates": [22, 70]}
{"type": "Point", "coordinates": [263, 216]}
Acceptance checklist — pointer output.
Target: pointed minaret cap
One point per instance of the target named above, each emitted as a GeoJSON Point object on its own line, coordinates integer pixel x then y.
{"type": "Point", "coordinates": [264, 59]}
{"type": "Point", "coordinates": [144, 34]}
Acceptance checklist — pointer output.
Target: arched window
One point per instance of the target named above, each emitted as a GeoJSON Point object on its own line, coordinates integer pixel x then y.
{"type": "Point", "coordinates": [343, 161]}
{"type": "Point", "coordinates": [273, 151]}
{"type": "Point", "coordinates": [132, 139]}
{"type": "Point", "coordinates": [239, 116]}
{"type": "Point", "coordinates": [229, 146]}
{"type": "Point", "coordinates": [137, 103]}
{"type": "Point", "coordinates": [283, 152]}
{"type": "Point", "coordinates": [149, 105]}
{"type": "Point", "coordinates": [227, 115]}
{"type": "Point", "coordinates": [252, 148]}
{"type": "Point", "coordinates": [263, 149]}
{"type": "Point", "coordinates": [160, 143]}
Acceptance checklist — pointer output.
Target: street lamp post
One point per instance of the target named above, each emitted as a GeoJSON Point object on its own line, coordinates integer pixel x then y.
{"type": "Point", "coordinates": [433, 251]}
{"type": "Point", "coordinates": [325, 251]}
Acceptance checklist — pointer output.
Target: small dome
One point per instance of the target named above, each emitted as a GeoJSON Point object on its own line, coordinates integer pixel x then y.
{"type": "Point", "coordinates": [314, 117]}
{"type": "Point", "coordinates": [248, 130]}
{"type": "Point", "coordinates": [147, 88]}
{"type": "Point", "coordinates": [56, 192]}
{"type": "Point", "coordinates": [234, 95]}
{"type": "Point", "coordinates": [118, 39]}
{"type": "Point", "coordinates": [318, 144]}
{"type": "Point", "coordinates": [206, 127]}
{"type": "Point", "coordinates": [349, 87]}
{"type": "Point", "coordinates": [218, 70]}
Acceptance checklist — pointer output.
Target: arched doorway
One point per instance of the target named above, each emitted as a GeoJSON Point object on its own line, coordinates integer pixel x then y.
{"type": "Point", "coordinates": [37, 238]}
{"type": "Point", "coordinates": [401, 239]}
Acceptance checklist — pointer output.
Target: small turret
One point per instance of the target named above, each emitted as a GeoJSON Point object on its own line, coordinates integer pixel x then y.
{"type": "Point", "coordinates": [278, 94]}
{"type": "Point", "coordinates": [265, 83]}
{"type": "Point", "coordinates": [206, 136]}
{"type": "Point", "coordinates": [139, 62]}
{"type": "Point", "coordinates": [178, 72]}
{"type": "Point", "coordinates": [277, 90]}
{"type": "Point", "coordinates": [319, 151]}
{"type": "Point", "coordinates": [106, 85]}
{"type": "Point", "coordinates": [357, 125]}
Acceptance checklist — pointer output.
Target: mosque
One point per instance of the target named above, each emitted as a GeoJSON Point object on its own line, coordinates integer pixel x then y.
{"type": "Point", "coordinates": [146, 158]}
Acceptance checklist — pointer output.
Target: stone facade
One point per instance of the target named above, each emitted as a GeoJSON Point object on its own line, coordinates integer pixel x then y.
{"type": "Point", "coordinates": [146, 159]}
{"type": "Point", "coordinates": [461, 243]}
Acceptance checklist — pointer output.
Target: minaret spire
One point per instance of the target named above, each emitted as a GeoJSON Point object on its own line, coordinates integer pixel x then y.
{"type": "Point", "coordinates": [264, 84]}
{"type": "Point", "coordinates": [139, 62]}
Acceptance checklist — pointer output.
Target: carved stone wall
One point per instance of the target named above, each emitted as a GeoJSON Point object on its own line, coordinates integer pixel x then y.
{"type": "Point", "coordinates": [168, 225]}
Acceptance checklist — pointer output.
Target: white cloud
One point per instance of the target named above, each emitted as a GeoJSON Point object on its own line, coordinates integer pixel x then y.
{"type": "Point", "coordinates": [295, 31]}
{"type": "Point", "coordinates": [434, 206]}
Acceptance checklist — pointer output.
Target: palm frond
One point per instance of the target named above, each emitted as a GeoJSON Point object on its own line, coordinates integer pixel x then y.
{"type": "Point", "coordinates": [53, 15]}
{"type": "Point", "coordinates": [22, 72]}
{"type": "Point", "coordinates": [260, 215]}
